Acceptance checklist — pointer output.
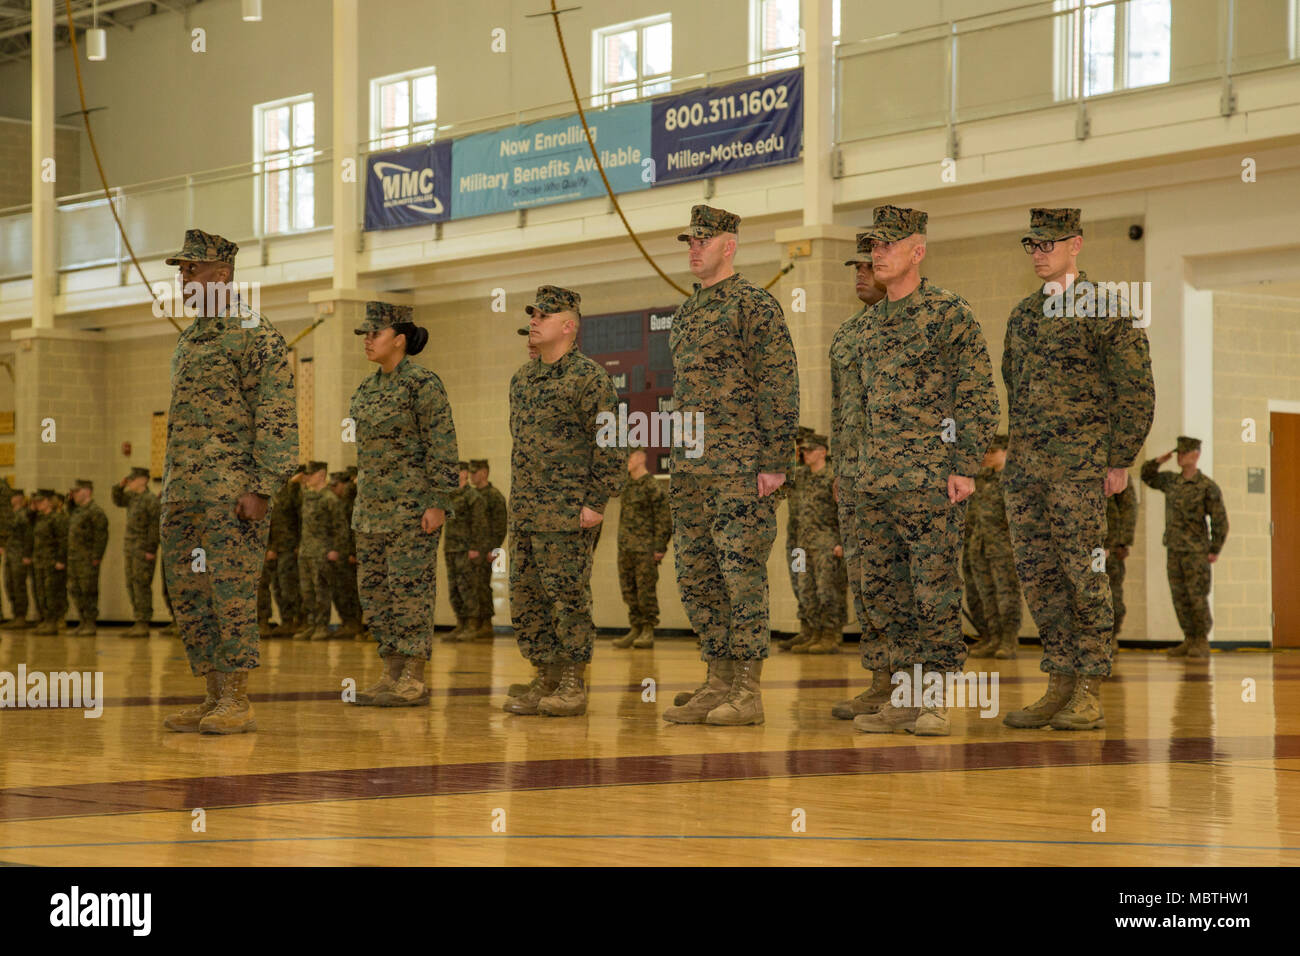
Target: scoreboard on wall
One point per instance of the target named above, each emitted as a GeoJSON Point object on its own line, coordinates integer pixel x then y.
{"type": "Point", "coordinates": [633, 348]}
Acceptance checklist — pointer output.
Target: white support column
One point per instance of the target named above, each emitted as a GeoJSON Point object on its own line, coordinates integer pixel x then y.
{"type": "Point", "coordinates": [346, 194]}
{"type": "Point", "coordinates": [818, 186]}
{"type": "Point", "coordinates": [44, 247]}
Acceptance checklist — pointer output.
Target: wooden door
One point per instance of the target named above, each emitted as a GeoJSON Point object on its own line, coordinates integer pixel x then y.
{"type": "Point", "coordinates": [1284, 493]}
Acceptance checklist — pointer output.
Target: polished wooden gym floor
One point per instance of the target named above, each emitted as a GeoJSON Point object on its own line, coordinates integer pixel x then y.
{"type": "Point", "coordinates": [1186, 772]}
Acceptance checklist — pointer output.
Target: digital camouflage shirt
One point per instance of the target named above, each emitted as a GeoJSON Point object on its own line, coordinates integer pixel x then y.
{"type": "Point", "coordinates": [1121, 518]}
{"type": "Point", "coordinates": [407, 460]}
{"type": "Point", "coordinates": [1080, 395]}
{"type": "Point", "coordinates": [467, 527]}
{"type": "Point", "coordinates": [233, 423]}
{"type": "Point", "coordinates": [734, 366]}
{"type": "Point", "coordinates": [88, 532]}
{"type": "Point", "coordinates": [846, 395]}
{"type": "Point", "coordinates": [556, 465]}
{"type": "Point", "coordinates": [645, 521]}
{"type": "Point", "coordinates": [1189, 504]}
{"type": "Point", "coordinates": [818, 515]}
{"type": "Point", "coordinates": [323, 528]}
{"type": "Point", "coordinates": [142, 519]}
{"type": "Point", "coordinates": [929, 407]}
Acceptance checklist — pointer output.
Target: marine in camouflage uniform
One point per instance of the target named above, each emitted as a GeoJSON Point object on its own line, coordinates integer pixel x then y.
{"type": "Point", "coordinates": [18, 560]}
{"type": "Point", "coordinates": [1121, 525]}
{"type": "Point", "coordinates": [465, 546]}
{"type": "Point", "coordinates": [406, 460]}
{"type": "Point", "coordinates": [929, 411]}
{"type": "Point", "coordinates": [645, 523]}
{"type": "Point", "coordinates": [846, 433]}
{"type": "Point", "coordinates": [1191, 499]}
{"type": "Point", "coordinates": [139, 545]}
{"type": "Point", "coordinates": [562, 475]}
{"type": "Point", "coordinates": [346, 596]}
{"type": "Point", "coordinates": [50, 561]}
{"type": "Point", "coordinates": [819, 535]}
{"type": "Point", "coordinates": [993, 560]}
{"type": "Point", "coordinates": [280, 569]}
{"type": "Point", "coordinates": [1081, 398]}
{"type": "Point", "coordinates": [734, 369]}
{"type": "Point", "coordinates": [323, 544]}
{"type": "Point", "coordinates": [985, 638]}
{"type": "Point", "coordinates": [495, 503]}
{"type": "Point", "coordinates": [87, 542]}
{"type": "Point", "coordinates": [232, 438]}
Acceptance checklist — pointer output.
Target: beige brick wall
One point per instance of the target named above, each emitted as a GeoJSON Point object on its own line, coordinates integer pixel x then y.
{"type": "Point", "coordinates": [1256, 358]}
{"type": "Point", "coordinates": [16, 162]}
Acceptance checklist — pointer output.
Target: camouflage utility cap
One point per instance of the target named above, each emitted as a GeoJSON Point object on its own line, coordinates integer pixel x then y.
{"type": "Point", "coordinates": [384, 315]}
{"type": "Point", "coordinates": [203, 246]}
{"type": "Point", "coordinates": [1053, 224]}
{"type": "Point", "coordinates": [816, 441]}
{"type": "Point", "coordinates": [315, 466]}
{"type": "Point", "coordinates": [863, 253]}
{"type": "Point", "coordinates": [85, 483]}
{"type": "Point", "coordinates": [552, 299]}
{"type": "Point", "coordinates": [891, 223]}
{"type": "Point", "coordinates": [477, 463]}
{"type": "Point", "coordinates": [463, 465]}
{"type": "Point", "coordinates": [139, 473]}
{"type": "Point", "coordinates": [338, 477]}
{"type": "Point", "coordinates": [707, 222]}
{"type": "Point", "coordinates": [1186, 444]}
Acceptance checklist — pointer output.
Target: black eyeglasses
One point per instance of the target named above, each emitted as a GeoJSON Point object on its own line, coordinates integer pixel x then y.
{"type": "Point", "coordinates": [1047, 245]}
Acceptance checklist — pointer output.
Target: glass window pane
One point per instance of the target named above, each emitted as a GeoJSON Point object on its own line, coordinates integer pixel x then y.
{"type": "Point", "coordinates": [658, 49]}
{"type": "Point", "coordinates": [780, 24]}
{"type": "Point", "coordinates": [277, 201]}
{"type": "Point", "coordinates": [394, 105]}
{"type": "Point", "coordinates": [1148, 42]}
{"type": "Point", "coordinates": [1099, 51]}
{"type": "Point", "coordinates": [835, 20]}
{"type": "Point", "coordinates": [624, 95]}
{"type": "Point", "coordinates": [304, 123]}
{"type": "Point", "coordinates": [424, 108]}
{"type": "Point", "coordinates": [654, 89]}
{"type": "Point", "coordinates": [275, 129]}
{"type": "Point", "coordinates": [781, 62]}
{"type": "Point", "coordinates": [423, 134]}
{"type": "Point", "coordinates": [620, 57]}
{"type": "Point", "coordinates": [304, 198]}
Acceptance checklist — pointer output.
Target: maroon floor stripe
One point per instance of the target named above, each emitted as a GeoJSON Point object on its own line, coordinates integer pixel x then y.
{"type": "Point", "coordinates": [136, 796]}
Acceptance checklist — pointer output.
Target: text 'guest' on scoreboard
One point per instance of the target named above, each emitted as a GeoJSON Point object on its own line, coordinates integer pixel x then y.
{"type": "Point", "coordinates": [633, 348]}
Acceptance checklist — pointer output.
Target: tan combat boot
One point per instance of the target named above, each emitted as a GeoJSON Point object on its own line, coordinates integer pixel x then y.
{"type": "Point", "coordinates": [46, 627]}
{"type": "Point", "coordinates": [320, 632]}
{"type": "Point", "coordinates": [287, 628]}
{"type": "Point", "coordinates": [1083, 711]}
{"type": "Point", "coordinates": [483, 630]}
{"type": "Point", "coordinates": [803, 637]}
{"type": "Point", "coordinates": [626, 640]}
{"type": "Point", "coordinates": [1006, 650]}
{"type": "Point", "coordinates": [187, 720]}
{"type": "Point", "coordinates": [86, 629]}
{"type": "Point", "coordinates": [1038, 714]}
{"type": "Point", "coordinates": [457, 633]}
{"type": "Point", "coordinates": [691, 707]}
{"type": "Point", "coordinates": [1199, 649]}
{"type": "Point", "coordinates": [646, 638]}
{"type": "Point", "coordinates": [869, 701]}
{"type": "Point", "coordinates": [887, 720]}
{"type": "Point", "coordinates": [543, 684]}
{"type": "Point", "coordinates": [932, 722]}
{"type": "Point", "coordinates": [387, 681]}
{"type": "Point", "coordinates": [569, 699]}
{"type": "Point", "coordinates": [348, 629]}
{"type": "Point", "coordinates": [138, 629]}
{"type": "Point", "coordinates": [170, 630]}
{"type": "Point", "coordinates": [363, 633]}
{"type": "Point", "coordinates": [410, 690]}
{"type": "Point", "coordinates": [984, 647]}
{"type": "Point", "coordinates": [744, 702]}
{"type": "Point", "coordinates": [827, 642]}
{"type": "Point", "coordinates": [1181, 650]}
{"type": "Point", "coordinates": [233, 714]}
{"type": "Point", "coordinates": [304, 633]}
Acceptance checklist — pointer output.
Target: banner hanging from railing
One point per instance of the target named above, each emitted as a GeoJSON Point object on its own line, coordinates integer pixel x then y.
{"type": "Point", "coordinates": [707, 132]}
{"type": "Point", "coordinates": [409, 187]}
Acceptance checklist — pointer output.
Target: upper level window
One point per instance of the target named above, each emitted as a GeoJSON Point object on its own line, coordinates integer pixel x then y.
{"type": "Point", "coordinates": [774, 35]}
{"type": "Point", "coordinates": [403, 108]}
{"type": "Point", "coordinates": [632, 60]}
{"type": "Point", "coordinates": [1124, 45]}
{"type": "Point", "coordinates": [284, 144]}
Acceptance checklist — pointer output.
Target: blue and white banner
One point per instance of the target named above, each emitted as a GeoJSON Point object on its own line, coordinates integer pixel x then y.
{"type": "Point", "coordinates": [409, 187]}
{"type": "Point", "coordinates": [549, 161]}
{"type": "Point", "coordinates": [728, 129]}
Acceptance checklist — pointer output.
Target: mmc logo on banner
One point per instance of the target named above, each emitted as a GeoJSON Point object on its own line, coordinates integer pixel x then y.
{"type": "Point", "coordinates": [408, 187]}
